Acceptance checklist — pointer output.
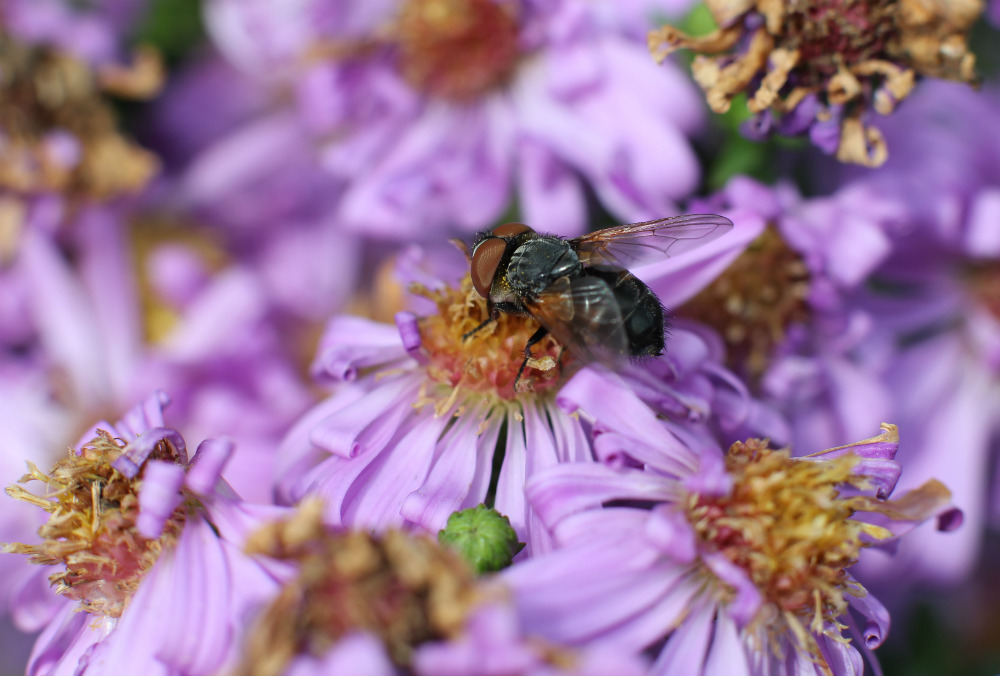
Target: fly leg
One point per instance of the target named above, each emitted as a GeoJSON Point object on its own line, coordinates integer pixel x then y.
{"type": "Point", "coordinates": [535, 338]}
{"type": "Point", "coordinates": [494, 315]}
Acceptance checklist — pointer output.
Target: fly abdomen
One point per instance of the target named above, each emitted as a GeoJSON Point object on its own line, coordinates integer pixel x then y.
{"type": "Point", "coordinates": [642, 312]}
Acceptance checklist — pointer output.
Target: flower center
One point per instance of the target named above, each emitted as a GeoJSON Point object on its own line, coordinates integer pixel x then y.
{"type": "Point", "coordinates": [59, 132]}
{"type": "Point", "coordinates": [457, 49]}
{"type": "Point", "coordinates": [787, 527]}
{"type": "Point", "coordinates": [754, 302]}
{"type": "Point", "coordinates": [92, 526]}
{"type": "Point", "coordinates": [983, 284]}
{"type": "Point", "coordinates": [828, 33]}
{"type": "Point", "coordinates": [487, 361]}
{"type": "Point", "coordinates": [404, 589]}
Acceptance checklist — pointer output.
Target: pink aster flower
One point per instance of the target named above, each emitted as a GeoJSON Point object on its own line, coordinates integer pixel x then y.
{"type": "Point", "coordinates": [422, 423]}
{"type": "Point", "coordinates": [740, 566]}
{"type": "Point", "coordinates": [389, 605]}
{"type": "Point", "coordinates": [150, 574]}
{"type": "Point", "coordinates": [787, 307]}
{"type": "Point", "coordinates": [430, 120]}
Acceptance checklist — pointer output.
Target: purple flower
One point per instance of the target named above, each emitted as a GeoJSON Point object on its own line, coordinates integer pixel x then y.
{"type": "Point", "coordinates": [741, 563]}
{"type": "Point", "coordinates": [427, 123]}
{"type": "Point", "coordinates": [392, 604]}
{"type": "Point", "coordinates": [152, 575]}
{"type": "Point", "coordinates": [787, 310]}
{"type": "Point", "coordinates": [421, 419]}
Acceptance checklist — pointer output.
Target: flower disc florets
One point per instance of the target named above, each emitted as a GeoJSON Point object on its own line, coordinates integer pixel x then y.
{"type": "Point", "coordinates": [92, 527]}
{"type": "Point", "coordinates": [405, 590]}
{"type": "Point", "coordinates": [755, 301]}
{"type": "Point", "coordinates": [457, 49]}
{"type": "Point", "coordinates": [787, 526]}
{"type": "Point", "coordinates": [487, 361]}
{"type": "Point", "coordinates": [854, 54]}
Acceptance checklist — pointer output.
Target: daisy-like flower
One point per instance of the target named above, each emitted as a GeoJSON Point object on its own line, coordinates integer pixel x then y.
{"type": "Point", "coordinates": [742, 566]}
{"type": "Point", "coordinates": [433, 115]}
{"type": "Point", "coordinates": [787, 307]}
{"type": "Point", "coordinates": [820, 66]}
{"type": "Point", "coordinates": [390, 605]}
{"type": "Point", "coordinates": [424, 422]}
{"type": "Point", "coordinates": [151, 576]}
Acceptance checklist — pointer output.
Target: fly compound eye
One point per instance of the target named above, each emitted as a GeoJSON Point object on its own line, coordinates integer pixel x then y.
{"type": "Point", "coordinates": [510, 230]}
{"type": "Point", "coordinates": [485, 260]}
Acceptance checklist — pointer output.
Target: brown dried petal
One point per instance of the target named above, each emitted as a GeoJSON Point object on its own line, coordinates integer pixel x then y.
{"type": "Point", "coordinates": [725, 12]}
{"type": "Point", "coordinates": [782, 62]}
{"type": "Point", "coordinates": [860, 144]}
{"type": "Point", "coordinates": [666, 40]}
{"type": "Point", "coordinates": [842, 87]}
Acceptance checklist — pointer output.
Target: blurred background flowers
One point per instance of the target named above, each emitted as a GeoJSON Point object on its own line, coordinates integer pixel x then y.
{"type": "Point", "coordinates": [246, 204]}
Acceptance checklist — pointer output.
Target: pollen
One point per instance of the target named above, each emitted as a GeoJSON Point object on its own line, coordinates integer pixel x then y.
{"type": "Point", "coordinates": [91, 529]}
{"type": "Point", "coordinates": [485, 362]}
{"type": "Point", "coordinates": [787, 524]}
{"type": "Point", "coordinates": [404, 589]}
{"type": "Point", "coordinates": [457, 49]}
{"type": "Point", "coordinates": [755, 302]}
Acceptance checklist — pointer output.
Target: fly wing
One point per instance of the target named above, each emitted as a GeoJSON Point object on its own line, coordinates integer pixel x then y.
{"type": "Point", "coordinates": [625, 246]}
{"type": "Point", "coordinates": [583, 316]}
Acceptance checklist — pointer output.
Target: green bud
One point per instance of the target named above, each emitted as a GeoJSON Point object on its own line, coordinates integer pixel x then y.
{"type": "Point", "coordinates": [484, 538]}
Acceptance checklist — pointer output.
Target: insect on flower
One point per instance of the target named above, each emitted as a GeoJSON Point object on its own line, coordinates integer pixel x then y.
{"type": "Point", "coordinates": [579, 290]}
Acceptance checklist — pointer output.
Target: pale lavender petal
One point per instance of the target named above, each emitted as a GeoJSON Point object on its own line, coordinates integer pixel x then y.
{"type": "Point", "coordinates": [398, 470]}
{"type": "Point", "coordinates": [350, 344]}
{"type": "Point", "coordinates": [136, 452]}
{"type": "Point", "coordinates": [548, 191]}
{"type": "Point", "coordinates": [144, 416]}
{"type": "Point", "coordinates": [744, 606]}
{"type": "Point", "coordinates": [650, 626]}
{"type": "Point", "coordinates": [68, 638]}
{"type": "Point", "coordinates": [451, 483]}
{"type": "Point", "coordinates": [687, 648]}
{"type": "Point", "coordinates": [566, 489]}
{"type": "Point", "coordinates": [579, 528]}
{"type": "Point", "coordinates": [159, 496]}
{"type": "Point", "coordinates": [491, 645]}
{"type": "Point", "coordinates": [670, 531]}
{"type": "Point", "coordinates": [982, 238]}
{"type": "Point", "coordinates": [727, 654]}
{"type": "Point", "coordinates": [355, 653]}
{"type": "Point", "coordinates": [876, 617]}
{"type": "Point", "coordinates": [370, 422]}
{"type": "Point", "coordinates": [510, 500]}
{"type": "Point", "coordinates": [620, 410]}
{"type": "Point", "coordinates": [206, 466]}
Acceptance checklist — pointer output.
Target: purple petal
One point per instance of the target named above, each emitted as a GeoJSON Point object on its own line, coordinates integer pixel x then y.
{"type": "Point", "coordinates": [459, 476]}
{"type": "Point", "coordinates": [355, 653]}
{"type": "Point", "coordinates": [159, 496]}
{"type": "Point", "coordinates": [351, 344]}
{"type": "Point", "coordinates": [876, 618]}
{"type": "Point", "coordinates": [687, 648]}
{"type": "Point", "coordinates": [370, 422]}
{"type": "Point", "coordinates": [206, 466]}
{"type": "Point", "coordinates": [748, 598]}
{"type": "Point", "coordinates": [136, 452]}
{"type": "Point", "coordinates": [727, 655]}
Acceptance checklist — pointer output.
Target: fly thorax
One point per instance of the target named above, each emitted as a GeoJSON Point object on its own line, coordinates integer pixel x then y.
{"type": "Point", "coordinates": [537, 263]}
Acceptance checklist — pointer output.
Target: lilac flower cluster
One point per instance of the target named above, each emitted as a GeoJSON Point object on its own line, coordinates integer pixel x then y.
{"type": "Point", "coordinates": [237, 237]}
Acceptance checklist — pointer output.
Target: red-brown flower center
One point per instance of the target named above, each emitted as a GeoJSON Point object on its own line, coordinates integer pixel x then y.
{"type": "Point", "coordinates": [457, 49]}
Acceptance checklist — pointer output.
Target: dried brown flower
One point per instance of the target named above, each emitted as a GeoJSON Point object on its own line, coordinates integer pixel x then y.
{"type": "Point", "coordinates": [851, 55]}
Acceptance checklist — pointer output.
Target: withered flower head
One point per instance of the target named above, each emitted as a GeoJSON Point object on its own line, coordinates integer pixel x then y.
{"type": "Point", "coordinates": [403, 589]}
{"type": "Point", "coordinates": [58, 132]}
{"type": "Point", "coordinates": [102, 532]}
{"type": "Point", "coordinates": [820, 61]}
